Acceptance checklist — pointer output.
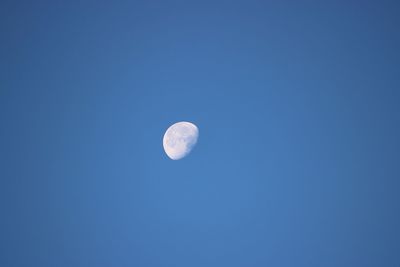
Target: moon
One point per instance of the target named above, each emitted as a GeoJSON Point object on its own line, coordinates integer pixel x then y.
{"type": "Point", "coordinates": [179, 139]}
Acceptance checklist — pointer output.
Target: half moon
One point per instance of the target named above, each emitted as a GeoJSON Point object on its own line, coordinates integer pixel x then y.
{"type": "Point", "coordinates": [179, 139]}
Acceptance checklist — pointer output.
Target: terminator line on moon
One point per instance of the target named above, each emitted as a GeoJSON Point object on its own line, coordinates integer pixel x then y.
{"type": "Point", "coordinates": [179, 139]}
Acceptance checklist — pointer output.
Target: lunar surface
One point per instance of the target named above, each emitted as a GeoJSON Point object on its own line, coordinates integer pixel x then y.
{"type": "Point", "coordinates": [179, 139]}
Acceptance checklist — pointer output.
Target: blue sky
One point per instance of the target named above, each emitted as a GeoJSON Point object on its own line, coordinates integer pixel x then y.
{"type": "Point", "coordinates": [297, 105]}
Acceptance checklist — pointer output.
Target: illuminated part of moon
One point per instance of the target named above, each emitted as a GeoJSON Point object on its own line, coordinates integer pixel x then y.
{"type": "Point", "coordinates": [179, 139]}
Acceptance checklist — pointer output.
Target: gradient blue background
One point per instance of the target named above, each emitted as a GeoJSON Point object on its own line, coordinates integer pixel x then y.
{"type": "Point", "coordinates": [298, 106]}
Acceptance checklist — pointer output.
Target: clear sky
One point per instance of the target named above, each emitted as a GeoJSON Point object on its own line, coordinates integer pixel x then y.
{"type": "Point", "coordinates": [298, 107]}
